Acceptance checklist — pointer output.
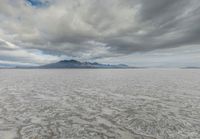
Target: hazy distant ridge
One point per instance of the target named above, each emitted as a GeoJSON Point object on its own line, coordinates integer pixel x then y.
{"type": "Point", "coordinates": [78, 64]}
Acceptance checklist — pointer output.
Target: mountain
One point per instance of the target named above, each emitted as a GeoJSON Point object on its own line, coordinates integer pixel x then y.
{"type": "Point", "coordinates": [191, 68]}
{"type": "Point", "coordinates": [78, 64]}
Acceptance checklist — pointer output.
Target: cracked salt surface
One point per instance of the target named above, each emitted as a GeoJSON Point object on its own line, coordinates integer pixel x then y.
{"type": "Point", "coordinates": [99, 104]}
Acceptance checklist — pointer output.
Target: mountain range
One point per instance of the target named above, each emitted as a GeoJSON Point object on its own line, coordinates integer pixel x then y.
{"type": "Point", "coordinates": [77, 64]}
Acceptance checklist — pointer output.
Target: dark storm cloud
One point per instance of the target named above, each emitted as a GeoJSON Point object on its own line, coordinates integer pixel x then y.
{"type": "Point", "coordinates": [164, 24]}
{"type": "Point", "coordinates": [95, 29]}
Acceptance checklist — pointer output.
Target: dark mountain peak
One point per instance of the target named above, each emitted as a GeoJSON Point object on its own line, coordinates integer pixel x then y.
{"type": "Point", "coordinates": [69, 61]}
{"type": "Point", "coordinates": [77, 64]}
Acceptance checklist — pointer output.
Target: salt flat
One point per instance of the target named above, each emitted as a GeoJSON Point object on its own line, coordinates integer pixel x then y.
{"type": "Point", "coordinates": [100, 104]}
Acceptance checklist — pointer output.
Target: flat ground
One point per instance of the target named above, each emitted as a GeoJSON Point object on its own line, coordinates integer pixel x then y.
{"type": "Point", "coordinates": [100, 104]}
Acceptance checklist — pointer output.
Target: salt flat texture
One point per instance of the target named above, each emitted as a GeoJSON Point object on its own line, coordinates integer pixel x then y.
{"type": "Point", "coordinates": [100, 104]}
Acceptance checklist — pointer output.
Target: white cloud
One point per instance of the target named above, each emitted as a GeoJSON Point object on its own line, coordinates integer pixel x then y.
{"type": "Point", "coordinates": [15, 53]}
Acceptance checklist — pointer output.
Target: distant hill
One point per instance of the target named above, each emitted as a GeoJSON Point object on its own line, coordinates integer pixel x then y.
{"type": "Point", "coordinates": [191, 68]}
{"type": "Point", "coordinates": [77, 64]}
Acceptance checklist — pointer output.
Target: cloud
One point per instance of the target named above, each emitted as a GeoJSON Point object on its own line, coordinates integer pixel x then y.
{"type": "Point", "coordinates": [12, 54]}
{"type": "Point", "coordinates": [95, 30]}
{"type": "Point", "coordinates": [187, 56]}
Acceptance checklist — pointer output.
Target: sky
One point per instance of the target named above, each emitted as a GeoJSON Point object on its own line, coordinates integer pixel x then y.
{"type": "Point", "coordinates": [142, 33]}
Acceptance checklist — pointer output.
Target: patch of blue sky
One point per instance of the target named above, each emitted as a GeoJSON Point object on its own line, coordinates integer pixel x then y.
{"type": "Point", "coordinates": [38, 3]}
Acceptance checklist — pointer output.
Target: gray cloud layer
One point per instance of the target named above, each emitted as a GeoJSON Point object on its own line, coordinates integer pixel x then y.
{"type": "Point", "coordinates": [95, 29]}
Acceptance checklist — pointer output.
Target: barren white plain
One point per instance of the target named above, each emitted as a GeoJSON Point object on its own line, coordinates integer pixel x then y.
{"type": "Point", "coordinates": [100, 104]}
